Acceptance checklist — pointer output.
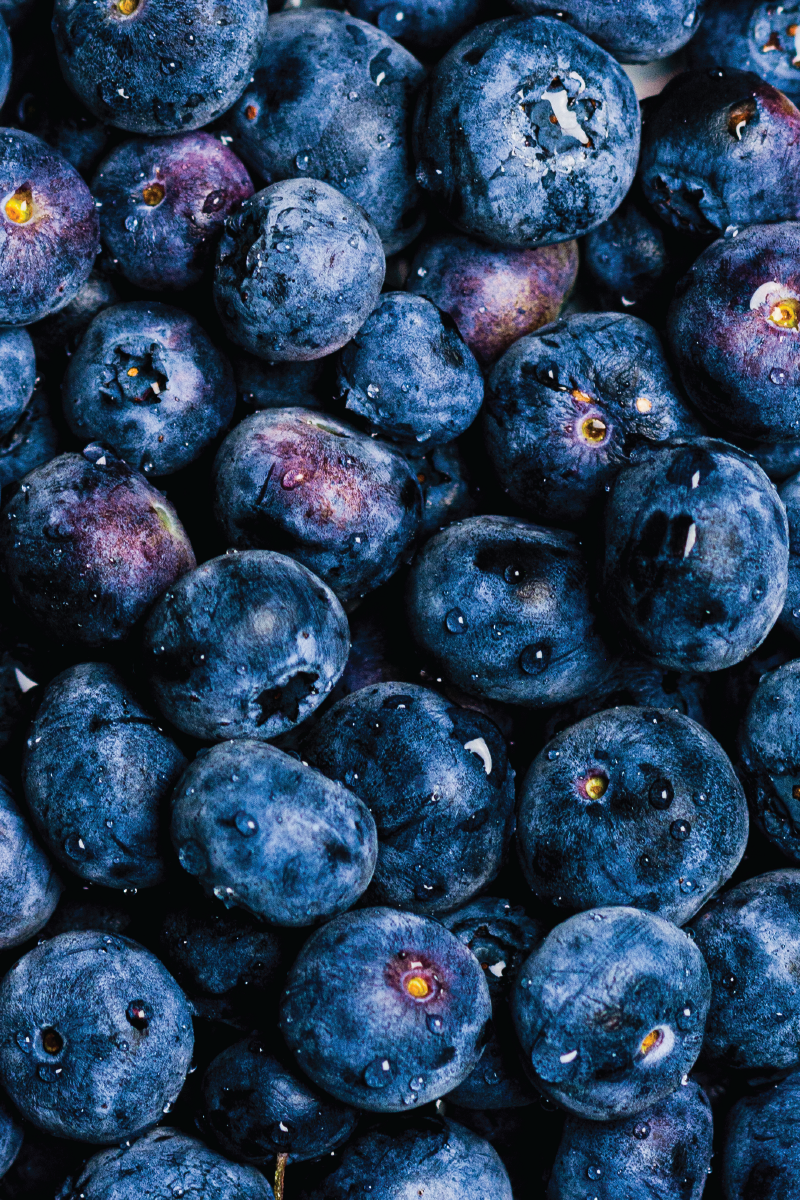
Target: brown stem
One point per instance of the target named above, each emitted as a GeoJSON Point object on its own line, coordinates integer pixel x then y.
{"type": "Point", "coordinates": [280, 1172]}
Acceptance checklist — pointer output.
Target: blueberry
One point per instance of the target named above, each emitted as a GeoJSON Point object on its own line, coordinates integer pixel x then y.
{"type": "Point", "coordinates": [420, 24]}
{"type": "Point", "coordinates": [331, 100]}
{"type": "Point", "coordinates": [147, 381]}
{"type": "Point", "coordinates": [385, 1010]}
{"type": "Point", "coordinates": [247, 645]}
{"type": "Point", "coordinates": [566, 405]}
{"type": "Point", "coordinates": [11, 1136]}
{"type": "Point", "coordinates": [95, 1037]}
{"type": "Point", "coordinates": [448, 493]}
{"type": "Point", "coordinates": [6, 57]}
{"type": "Point", "coordinates": [770, 752]}
{"type": "Point", "coordinates": [503, 608]}
{"type": "Point", "coordinates": [762, 1145]}
{"type": "Point", "coordinates": [636, 32]}
{"type": "Point", "coordinates": [437, 781]}
{"type": "Point", "coordinates": [625, 1042]}
{"type": "Point", "coordinates": [136, 66]}
{"type": "Point", "coordinates": [263, 384]}
{"type": "Point", "coordinates": [293, 480]}
{"type": "Point", "coordinates": [30, 888]}
{"type": "Point", "coordinates": [88, 545]}
{"type": "Point", "coordinates": [57, 336]}
{"type": "Point", "coordinates": [14, 11]}
{"type": "Point", "coordinates": [749, 35]}
{"type": "Point", "coordinates": [779, 459]}
{"type": "Point", "coordinates": [31, 442]}
{"type": "Point", "coordinates": [527, 133]}
{"type": "Point", "coordinates": [299, 270]}
{"type": "Point", "coordinates": [631, 806]}
{"type": "Point", "coordinates": [17, 376]}
{"type": "Point", "coordinates": [790, 498]}
{"type": "Point", "coordinates": [163, 204]}
{"type": "Point", "coordinates": [697, 588]}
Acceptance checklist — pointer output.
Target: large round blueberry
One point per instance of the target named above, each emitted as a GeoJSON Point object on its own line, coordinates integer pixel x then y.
{"type": "Point", "coordinates": [631, 806]}
{"type": "Point", "coordinates": [147, 381]}
{"type": "Point", "coordinates": [97, 772]}
{"type": "Point", "coordinates": [17, 376]}
{"type": "Point", "coordinates": [630, 262]}
{"type": "Point", "coordinates": [247, 645]}
{"type": "Point", "coordinates": [299, 269]}
{"type": "Point", "coordinates": [527, 133]}
{"type": "Point", "coordinates": [29, 887]}
{"type": "Point", "coordinates": [346, 506]}
{"type": "Point", "coordinates": [610, 1011]}
{"type": "Point", "coordinates": [95, 1037]}
{"type": "Point", "coordinates": [437, 781]}
{"type": "Point", "coordinates": [750, 35]}
{"type": "Point", "coordinates": [566, 405]}
{"type": "Point", "coordinates": [638, 31]}
{"type": "Point", "coordinates": [790, 498]}
{"type": "Point", "coordinates": [696, 587]}
{"type": "Point", "coordinates": [142, 66]}
{"type": "Point", "coordinates": [424, 26]}
{"type": "Point", "coordinates": [762, 1145]}
{"type": "Point", "coordinates": [163, 203]}
{"type": "Point", "coordinates": [503, 608]}
{"type": "Point", "coordinates": [49, 232]}
{"type": "Point", "coordinates": [385, 1009]}
{"type": "Point", "coordinates": [31, 442]}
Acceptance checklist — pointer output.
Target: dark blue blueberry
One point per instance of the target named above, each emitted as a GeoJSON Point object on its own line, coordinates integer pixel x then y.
{"type": "Point", "coordinates": [11, 1136]}
{"type": "Point", "coordinates": [750, 35]}
{"type": "Point", "coordinates": [263, 384]}
{"type": "Point", "coordinates": [790, 497]}
{"type": "Point", "coordinates": [527, 133]}
{"type": "Point", "coordinates": [566, 405]}
{"type": "Point", "coordinates": [385, 1010]}
{"type": "Point", "coordinates": [57, 337]}
{"type": "Point", "coordinates": [147, 381]}
{"type": "Point", "coordinates": [769, 744]}
{"type": "Point", "coordinates": [14, 11]}
{"type": "Point", "coordinates": [17, 376]}
{"type": "Point", "coordinates": [293, 480]}
{"type": "Point", "coordinates": [31, 442]}
{"type": "Point", "coordinates": [6, 57]}
{"type": "Point", "coordinates": [504, 610]}
{"type": "Point", "coordinates": [88, 545]}
{"type": "Point", "coordinates": [95, 1037]}
{"type": "Point", "coordinates": [331, 99]}
{"type": "Point", "coordinates": [97, 773]}
{"type": "Point", "coordinates": [29, 887]}
{"type": "Point", "coordinates": [631, 806]}
{"type": "Point", "coordinates": [446, 486]}
{"type": "Point", "coordinates": [163, 203]}
{"type": "Point", "coordinates": [435, 777]}
{"type": "Point", "coordinates": [779, 460]}
{"type": "Point", "coordinates": [695, 586]}
{"type": "Point", "coordinates": [425, 27]}
{"type": "Point", "coordinates": [638, 31]}
{"type": "Point", "coordinates": [762, 1145]}
{"type": "Point", "coordinates": [247, 645]}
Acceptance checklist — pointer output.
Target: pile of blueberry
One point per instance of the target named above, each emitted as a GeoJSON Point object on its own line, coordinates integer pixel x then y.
{"type": "Point", "coordinates": [399, 600]}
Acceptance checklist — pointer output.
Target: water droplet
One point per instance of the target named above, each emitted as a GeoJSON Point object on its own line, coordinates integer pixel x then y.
{"type": "Point", "coordinates": [778, 376]}
{"type": "Point", "coordinates": [641, 1131]}
{"type": "Point", "coordinates": [729, 982]}
{"type": "Point", "coordinates": [687, 1016]}
{"type": "Point", "coordinates": [593, 1172]}
{"type": "Point", "coordinates": [534, 659]}
{"type": "Point", "coordinates": [512, 574]}
{"type": "Point", "coordinates": [680, 830]}
{"type": "Point", "coordinates": [247, 825]}
{"type": "Point", "coordinates": [193, 858]}
{"type": "Point", "coordinates": [75, 846]}
{"type": "Point", "coordinates": [373, 390]}
{"type": "Point", "coordinates": [352, 95]}
{"type": "Point", "coordinates": [131, 223]}
{"type": "Point", "coordinates": [661, 794]}
{"type": "Point", "coordinates": [48, 1073]}
{"type": "Point", "coordinates": [435, 1023]}
{"type": "Point", "coordinates": [417, 1083]}
{"type": "Point", "coordinates": [170, 66]}
{"type": "Point", "coordinates": [378, 1074]}
{"type": "Point", "coordinates": [24, 1042]}
{"type": "Point", "coordinates": [455, 621]}
{"type": "Point", "coordinates": [302, 160]}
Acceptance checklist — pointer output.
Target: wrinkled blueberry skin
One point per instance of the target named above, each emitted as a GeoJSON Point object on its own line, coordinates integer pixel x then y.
{"type": "Point", "coordinates": [665, 1151]}
{"type": "Point", "coordinates": [485, 152]}
{"type": "Point", "coordinates": [32, 441]}
{"type": "Point", "coordinates": [435, 777]}
{"type": "Point", "coordinates": [743, 35]}
{"type": "Point", "coordinates": [790, 498]}
{"type": "Point", "coordinates": [180, 395]}
{"type": "Point", "coordinates": [735, 360]}
{"type": "Point", "coordinates": [494, 295]}
{"type": "Point", "coordinates": [769, 746]}
{"type": "Point", "coordinates": [332, 99]}
{"type": "Point", "coordinates": [749, 936]}
{"type": "Point", "coordinates": [507, 602]}
{"type": "Point", "coordinates": [45, 259]}
{"type": "Point", "coordinates": [30, 888]}
{"type": "Point", "coordinates": [17, 376]}
{"type": "Point", "coordinates": [97, 772]}
{"type": "Point", "coordinates": [167, 242]}
{"type": "Point", "coordinates": [761, 1145]}
{"type": "Point", "coordinates": [58, 336]}
{"type": "Point", "coordinates": [423, 26]}
{"type": "Point", "coordinates": [198, 70]}
{"type": "Point", "coordinates": [646, 975]}
{"type": "Point", "coordinates": [276, 288]}
{"type": "Point", "coordinates": [696, 588]}
{"type": "Point", "coordinates": [446, 486]}
{"type": "Point", "coordinates": [668, 830]}
{"type": "Point", "coordinates": [263, 384]}
{"type": "Point", "coordinates": [343, 1028]}
{"type": "Point", "coordinates": [119, 1031]}
{"type": "Point", "coordinates": [152, 1167]}
{"type": "Point", "coordinates": [292, 480]}
{"type": "Point", "coordinates": [635, 32]}
{"type": "Point", "coordinates": [566, 405]}
{"type": "Point", "coordinates": [247, 645]}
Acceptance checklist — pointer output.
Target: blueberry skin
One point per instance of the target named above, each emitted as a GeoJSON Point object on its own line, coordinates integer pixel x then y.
{"type": "Point", "coordinates": [447, 490]}
{"type": "Point", "coordinates": [31, 442]}
{"type": "Point", "coordinates": [695, 587]}
{"type": "Point", "coordinates": [761, 1149]}
{"type": "Point", "coordinates": [566, 405]}
{"type": "Point", "coordinates": [409, 374]}
{"type": "Point", "coordinates": [257, 1108]}
{"type": "Point", "coordinates": [162, 1160]}
{"type": "Point", "coordinates": [59, 335]}
{"type": "Point", "coordinates": [494, 295]}
{"type": "Point", "coordinates": [744, 35]}
{"type": "Point", "coordinates": [119, 1034]}
{"type": "Point", "coordinates": [266, 833]}
{"type": "Point", "coordinates": [424, 26]}
{"type": "Point", "coordinates": [276, 288]}
{"type": "Point", "coordinates": [176, 76]}
{"type": "Point", "coordinates": [733, 327]}
{"type": "Point", "coordinates": [17, 376]}
{"type": "Point", "coordinates": [263, 384]}
{"type": "Point", "coordinates": [385, 1009]}
{"type": "Point", "coordinates": [344, 505]}
{"type": "Point", "coordinates": [147, 381]}
{"type": "Point", "coordinates": [780, 460]}
{"type": "Point", "coordinates": [437, 780]}
{"type": "Point", "coordinates": [6, 59]}
{"type": "Point", "coordinates": [97, 771]}
{"type": "Point", "coordinates": [665, 1151]}
{"type": "Point", "coordinates": [485, 144]}
{"type": "Point", "coordinates": [30, 887]}
{"type": "Point", "coordinates": [638, 31]}
{"type": "Point", "coordinates": [504, 610]}
{"type": "Point", "coordinates": [626, 1042]}
{"type": "Point", "coordinates": [88, 545]}
{"type": "Point", "coordinates": [332, 99]}
{"type": "Point", "coordinates": [163, 205]}
{"type": "Point", "coordinates": [770, 754]}
{"type": "Point", "coordinates": [790, 498]}
{"type": "Point", "coordinates": [11, 1136]}
{"type": "Point", "coordinates": [49, 231]}
{"type": "Point", "coordinates": [631, 806]}
{"type": "Point", "coordinates": [247, 645]}
{"type": "Point", "coordinates": [750, 938]}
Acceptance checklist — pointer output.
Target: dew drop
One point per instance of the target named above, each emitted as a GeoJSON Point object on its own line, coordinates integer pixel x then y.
{"type": "Point", "coordinates": [661, 794]}
{"type": "Point", "coordinates": [535, 659]}
{"type": "Point", "coordinates": [435, 1023]}
{"type": "Point", "coordinates": [778, 376]}
{"type": "Point", "coordinates": [641, 1131]}
{"type": "Point", "coordinates": [247, 825]}
{"type": "Point", "coordinates": [455, 621]}
{"type": "Point", "coordinates": [378, 1073]}
{"type": "Point", "coordinates": [75, 846]}
{"type": "Point", "coordinates": [680, 830]}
